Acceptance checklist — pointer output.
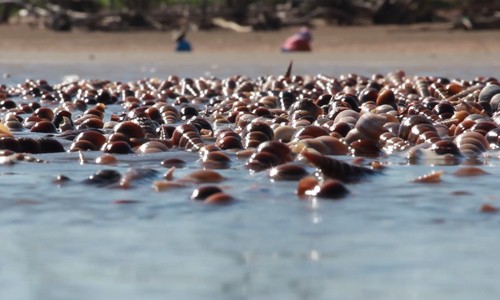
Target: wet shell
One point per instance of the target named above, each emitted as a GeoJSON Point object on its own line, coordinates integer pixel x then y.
{"type": "Point", "coordinates": [310, 131]}
{"type": "Point", "coordinates": [305, 184]}
{"type": "Point", "coordinates": [386, 97]}
{"type": "Point", "coordinates": [187, 137]}
{"type": "Point", "coordinates": [269, 154]}
{"type": "Point", "coordinates": [422, 133]}
{"type": "Point", "coordinates": [433, 177]}
{"type": "Point", "coordinates": [12, 144]}
{"type": "Point", "coordinates": [82, 145]}
{"type": "Point", "coordinates": [137, 175]}
{"type": "Point", "coordinates": [488, 208]}
{"type": "Point", "coordinates": [493, 138]}
{"type": "Point", "coordinates": [288, 171]}
{"type": "Point", "coordinates": [218, 199]}
{"type": "Point", "coordinates": [256, 133]}
{"type": "Point", "coordinates": [371, 126]}
{"type": "Point", "coordinates": [330, 189]}
{"type": "Point", "coordinates": [324, 144]}
{"type": "Point", "coordinates": [204, 176]}
{"type": "Point", "coordinates": [129, 129]}
{"type": "Point", "coordinates": [11, 123]}
{"type": "Point", "coordinates": [163, 185]}
{"type": "Point", "coordinates": [43, 126]}
{"type": "Point", "coordinates": [469, 171]}
{"type": "Point", "coordinates": [28, 145]}
{"type": "Point", "coordinates": [228, 139]}
{"type": "Point", "coordinates": [106, 159]}
{"type": "Point", "coordinates": [409, 122]}
{"type": "Point", "coordinates": [364, 148]}
{"type": "Point", "coordinates": [173, 162]}
{"type": "Point", "coordinates": [49, 145]}
{"type": "Point", "coordinates": [96, 138]}
{"type": "Point", "coordinates": [201, 193]}
{"type": "Point", "coordinates": [118, 147]}
{"type": "Point", "coordinates": [445, 147]}
{"type": "Point", "coordinates": [103, 178]}
{"type": "Point", "coordinates": [337, 169]}
{"type": "Point", "coordinates": [216, 160]}
{"type": "Point", "coordinates": [471, 144]}
{"type": "Point", "coordinates": [488, 92]}
{"type": "Point", "coordinates": [152, 147]}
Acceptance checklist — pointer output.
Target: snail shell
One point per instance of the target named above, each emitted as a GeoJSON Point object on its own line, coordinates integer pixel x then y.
{"type": "Point", "coordinates": [371, 126]}
{"type": "Point", "coordinates": [364, 148]}
{"type": "Point", "coordinates": [188, 137]}
{"type": "Point", "coordinates": [203, 192]}
{"type": "Point", "coordinates": [409, 122]}
{"type": "Point", "coordinates": [329, 189]}
{"type": "Point", "coordinates": [471, 144]}
{"type": "Point", "coordinates": [311, 131]}
{"type": "Point", "coordinates": [152, 147]}
{"type": "Point", "coordinates": [103, 178]}
{"type": "Point", "coordinates": [324, 144]}
{"type": "Point", "coordinates": [204, 176]}
{"type": "Point", "coordinates": [336, 169]}
{"type": "Point", "coordinates": [269, 154]}
{"type": "Point", "coordinates": [216, 160]}
{"type": "Point", "coordinates": [288, 171]}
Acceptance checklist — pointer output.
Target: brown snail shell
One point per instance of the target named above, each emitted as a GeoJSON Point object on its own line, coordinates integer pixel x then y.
{"type": "Point", "coordinates": [288, 171]}
{"type": "Point", "coordinates": [409, 122]}
{"type": "Point", "coordinates": [82, 145]}
{"type": "Point", "coordinates": [471, 144]}
{"type": "Point", "coordinates": [106, 159]}
{"type": "Point", "coordinates": [152, 147]}
{"type": "Point", "coordinates": [44, 126]}
{"type": "Point", "coordinates": [433, 177]}
{"type": "Point", "coordinates": [219, 199]}
{"type": "Point", "coordinates": [469, 171]}
{"type": "Point", "coordinates": [327, 145]}
{"type": "Point", "coordinates": [329, 189]}
{"type": "Point", "coordinates": [311, 131]}
{"type": "Point", "coordinates": [173, 162]}
{"type": "Point", "coordinates": [203, 192]}
{"type": "Point", "coordinates": [386, 97]}
{"type": "Point", "coordinates": [364, 148]}
{"type": "Point", "coordinates": [12, 144]}
{"type": "Point", "coordinates": [216, 160]}
{"type": "Point", "coordinates": [188, 137]}
{"type": "Point", "coordinates": [94, 137]}
{"type": "Point", "coordinates": [118, 147]}
{"type": "Point", "coordinates": [371, 126]}
{"type": "Point", "coordinates": [336, 169]}
{"type": "Point", "coordinates": [204, 176]}
{"type": "Point", "coordinates": [103, 178]}
{"type": "Point", "coordinates": [129, 129]}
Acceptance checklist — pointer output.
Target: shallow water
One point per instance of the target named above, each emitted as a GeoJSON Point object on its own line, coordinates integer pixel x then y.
{"type": "Point", "coordinates": [389, 239]}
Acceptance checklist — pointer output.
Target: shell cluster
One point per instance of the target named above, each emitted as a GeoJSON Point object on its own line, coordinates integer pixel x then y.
{"type": "Point", "coordinates": [288, 126]}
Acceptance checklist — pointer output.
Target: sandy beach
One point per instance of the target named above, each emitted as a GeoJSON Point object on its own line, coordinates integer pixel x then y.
{"type": "Point", "coordinates": [21, 43]}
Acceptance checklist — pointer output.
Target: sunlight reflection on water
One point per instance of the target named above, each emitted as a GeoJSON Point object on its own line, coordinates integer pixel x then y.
{"type": "Point", "coordinates": [390, 239]}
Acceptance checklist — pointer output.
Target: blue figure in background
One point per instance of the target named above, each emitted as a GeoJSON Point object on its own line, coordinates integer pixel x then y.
{"type": "Point", "coordinates": [181, 44]}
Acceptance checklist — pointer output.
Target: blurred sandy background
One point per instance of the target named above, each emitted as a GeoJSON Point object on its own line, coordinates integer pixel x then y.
{"type": "Point", "coordinates": [429, 49]}
{"type": "Point", "coordinates": [22, 42]}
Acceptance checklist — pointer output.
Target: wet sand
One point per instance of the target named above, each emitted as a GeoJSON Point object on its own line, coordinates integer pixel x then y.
{"type": "Point", "coordinates": [433, 42]}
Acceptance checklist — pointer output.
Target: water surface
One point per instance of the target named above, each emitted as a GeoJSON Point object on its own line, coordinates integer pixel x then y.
{"type": "Point", "coordinates": [389, 239]}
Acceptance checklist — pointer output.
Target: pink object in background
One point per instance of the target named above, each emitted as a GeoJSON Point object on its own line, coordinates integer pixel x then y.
{"type": "Point", "coordinates": [299, 41]}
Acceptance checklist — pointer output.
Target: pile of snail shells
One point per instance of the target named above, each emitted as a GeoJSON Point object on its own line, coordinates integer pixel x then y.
{"type": "Point", "coordinates": [350, 115]}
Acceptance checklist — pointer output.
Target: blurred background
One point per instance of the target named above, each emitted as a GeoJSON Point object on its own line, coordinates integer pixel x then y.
{"type": "Point", "coordinates": [244, 15]}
